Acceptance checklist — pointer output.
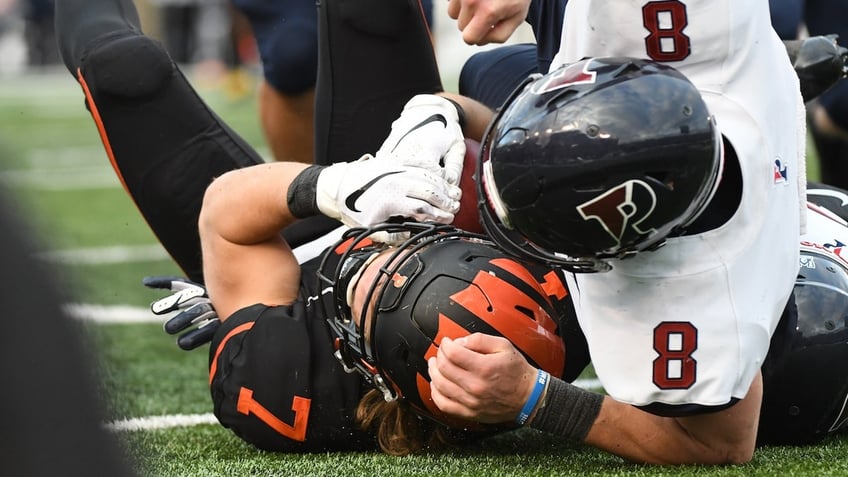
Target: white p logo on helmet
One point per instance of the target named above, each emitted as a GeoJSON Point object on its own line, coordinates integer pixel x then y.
{"type": "Point", "coordinates": [622, 207]}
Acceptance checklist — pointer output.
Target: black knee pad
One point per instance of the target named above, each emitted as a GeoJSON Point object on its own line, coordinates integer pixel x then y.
{"type": "Point", "coordinates": [128, 66]}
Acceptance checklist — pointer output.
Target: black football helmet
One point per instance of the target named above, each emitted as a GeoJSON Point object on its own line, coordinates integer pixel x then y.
{"type": "Point", "coordinates": [595, 160]}
{"type": "Point", "coordinates": [805, 389]}
{"type": "Point", "coordinates": [442, 282]}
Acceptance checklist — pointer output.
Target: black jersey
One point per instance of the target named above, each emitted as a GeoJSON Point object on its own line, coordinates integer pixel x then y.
{"type": "Point", "coordinates": [275, 382]}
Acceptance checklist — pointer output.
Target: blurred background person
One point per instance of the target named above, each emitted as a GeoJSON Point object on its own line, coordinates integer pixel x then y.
{"type": "Point", "coordinates": [828, 114]}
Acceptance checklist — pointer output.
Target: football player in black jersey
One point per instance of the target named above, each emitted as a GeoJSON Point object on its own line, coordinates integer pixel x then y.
{"type": "Point", "coordinates": [273, 375]}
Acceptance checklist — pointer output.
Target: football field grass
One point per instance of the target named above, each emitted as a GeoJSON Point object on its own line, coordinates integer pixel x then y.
{"type": "Point", "coordinates": [156, 396]}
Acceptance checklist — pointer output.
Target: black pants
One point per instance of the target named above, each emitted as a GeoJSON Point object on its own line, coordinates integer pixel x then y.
{"type": "Point", "coordinates": [166, 145]}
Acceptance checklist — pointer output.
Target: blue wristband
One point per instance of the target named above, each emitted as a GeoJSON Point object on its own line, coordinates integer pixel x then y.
{"type": "Point", "coordinates": [541, 380]}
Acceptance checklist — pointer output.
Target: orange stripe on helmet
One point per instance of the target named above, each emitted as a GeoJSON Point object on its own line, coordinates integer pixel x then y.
{"type": "Point", "coordinates": [520, 271]}
{"type": "Point", "coordinates": [554, 286]}
{"type": "Point", "coordinates": [342, 247]}
{"type": "Point", "coordinates": [506, 310]}
{"type": "Point", "coordinates": [447, 329]}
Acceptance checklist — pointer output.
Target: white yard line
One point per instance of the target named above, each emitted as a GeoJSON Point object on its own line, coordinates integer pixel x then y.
{"type": "Point", "coordinates": [107, 255]}
{"type": "Point", "coordinates": [63, 168]}
{"type": "Point", "coordinates": [150, 423]}
{"type": "Point", "coordinates": [62, 178]}
{"type": "Point", "coordinates": [113, 314]}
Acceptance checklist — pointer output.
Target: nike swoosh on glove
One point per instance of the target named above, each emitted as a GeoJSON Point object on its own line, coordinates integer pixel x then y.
{"type": "Point", "coordinates": [428, 134]}
{"type": "Point", "coordinates": [369, 191]}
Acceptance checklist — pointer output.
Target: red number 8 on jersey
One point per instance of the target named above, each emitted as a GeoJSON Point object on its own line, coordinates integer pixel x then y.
{"type": "Point", "coordinates": [674, 368]}
{"type": "Point", "coordinates": [665, 20]}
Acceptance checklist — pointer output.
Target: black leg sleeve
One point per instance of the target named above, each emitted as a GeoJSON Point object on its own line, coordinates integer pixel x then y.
{"type": "Point", "coordinates": [164, 142]}
{"type": "Point", "coordinates": [374, 55]}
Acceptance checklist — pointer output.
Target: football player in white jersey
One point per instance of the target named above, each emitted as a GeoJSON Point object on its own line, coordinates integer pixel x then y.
{"type": "Point", "coordinates": [804, 397]}
{"type": "Point", "coordinates": [678, 333]}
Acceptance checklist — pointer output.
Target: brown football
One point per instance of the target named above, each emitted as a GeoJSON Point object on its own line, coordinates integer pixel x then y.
{"type": "Point", "coordinates": [468, 218]}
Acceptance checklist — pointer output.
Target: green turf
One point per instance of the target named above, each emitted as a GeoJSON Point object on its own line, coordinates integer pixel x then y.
{"type": "Point", "coordinates": [524, 452]}
{"type": "Point", "coordinates": [47, 138]}
{"type": "Point", "coordinates": [117, 284]}
{"type": "Point", "coordinates": [144, 373]}
{"type": "Point", "coordinates": [79, 214]}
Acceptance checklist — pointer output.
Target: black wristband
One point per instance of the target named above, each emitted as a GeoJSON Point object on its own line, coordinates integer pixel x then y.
{"type": "Point", "coordinates": [568, 411]}
{"type": "Point", "coordinates": [460, 113]}
{"type": "Point", "coordinates": [301, 196]}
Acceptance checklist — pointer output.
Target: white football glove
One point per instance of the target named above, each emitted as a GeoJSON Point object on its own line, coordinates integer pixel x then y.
{"type": "Point", "coordinates": [369, 191]}
{"type": "Point", "coordinates": [194, 307]}
{"type": "Point", "coordinates": [427, 135]}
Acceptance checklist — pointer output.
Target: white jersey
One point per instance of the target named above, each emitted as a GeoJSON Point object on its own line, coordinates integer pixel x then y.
{"type": "Point", "coordinates": [691, 322]}
{"type": "Point", "coordinates": [826, 235]}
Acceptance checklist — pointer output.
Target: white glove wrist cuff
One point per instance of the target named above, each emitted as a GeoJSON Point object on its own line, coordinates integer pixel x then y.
{"type": "Point", "coordinates": [327, 189]}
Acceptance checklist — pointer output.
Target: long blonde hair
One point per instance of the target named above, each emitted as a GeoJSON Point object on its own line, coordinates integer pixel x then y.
{"type": "Point", "coordinates": [399, 430]}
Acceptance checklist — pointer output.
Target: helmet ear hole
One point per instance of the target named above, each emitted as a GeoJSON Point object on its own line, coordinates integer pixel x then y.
{"type": "Point", "coordinates": [526, 311]}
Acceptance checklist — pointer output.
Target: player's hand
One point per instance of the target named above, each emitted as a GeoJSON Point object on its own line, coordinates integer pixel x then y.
{"type": "Point", "coordinates": [480, 377]}
{"type": "Point", "coordinates": [197, 319]}
{"type": "Point", "coordinates": [428, 134]}
{"type": "Point", "coordinates": [819, 62]}
{"type": "Point", "coordinates": [370, 191]}
{"type": "Point", "coordinates": [488, 21]}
